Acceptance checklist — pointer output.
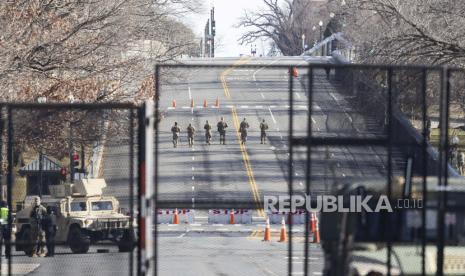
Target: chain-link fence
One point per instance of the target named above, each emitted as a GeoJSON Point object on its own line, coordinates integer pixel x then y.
{"type": "Point", "coordinates": [69, 189]}
{"type": "Point", "coordinates": [334, 130]}
{"type": "Point", "coordinates": [269, 135]}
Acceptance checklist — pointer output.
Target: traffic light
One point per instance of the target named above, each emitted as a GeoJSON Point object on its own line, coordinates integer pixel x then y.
{"type": "Point", "coordinates": [213, 28]}
{"type": "Point", "coordinates": [75, 160]}
{"type": "Point", "coordinates": [63, 173]}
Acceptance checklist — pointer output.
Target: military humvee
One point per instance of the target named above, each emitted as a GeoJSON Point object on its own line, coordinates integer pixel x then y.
{"type": "Point", "coordinates": [84, 217]}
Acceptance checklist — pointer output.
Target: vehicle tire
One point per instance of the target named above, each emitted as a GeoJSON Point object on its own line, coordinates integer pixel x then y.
{"type": "Point", "coordinates": [127, 241]}
{"type": "Point", "coordinates": [77, 241]}
{"type": "Point", "coordinates": [26, 240]}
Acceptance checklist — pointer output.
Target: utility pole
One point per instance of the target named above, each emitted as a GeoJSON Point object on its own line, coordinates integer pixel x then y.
{"type": "Point", "coordinates": [207, 39]}
{"type": "Point", "coordinates": [209, 35]}
{"type": "Point", "coordinates": [201, 48]}
{"type": "Point", "coordinates": [213, 31]}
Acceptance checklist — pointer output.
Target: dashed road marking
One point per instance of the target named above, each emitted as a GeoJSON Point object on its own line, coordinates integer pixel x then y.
{"type": "Point", "coordinates": [271, 113]}
{"type": "Point", "coordinates": [296, 107]}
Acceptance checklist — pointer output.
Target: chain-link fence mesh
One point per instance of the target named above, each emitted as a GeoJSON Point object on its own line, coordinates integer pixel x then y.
{"type": "Point", "coordinates": [70, 186]}
{"type": "Point", "coordinates": [347, 130]}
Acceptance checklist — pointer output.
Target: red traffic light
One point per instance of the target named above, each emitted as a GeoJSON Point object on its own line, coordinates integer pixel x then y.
{"type": "Point", "coordinates": [75, 156]}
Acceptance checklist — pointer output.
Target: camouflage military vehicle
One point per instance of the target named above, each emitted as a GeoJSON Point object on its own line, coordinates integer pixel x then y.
{"type": "Point", "coordinates": [84, 217]}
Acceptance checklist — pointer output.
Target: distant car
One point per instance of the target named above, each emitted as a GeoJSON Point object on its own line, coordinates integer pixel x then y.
{"type": "Point", "coordinates": [84, 217]}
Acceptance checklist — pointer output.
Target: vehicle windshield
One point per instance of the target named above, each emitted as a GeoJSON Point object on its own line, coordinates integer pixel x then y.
{"type": "Point", "coordinates": [102, 206]}
{"type": "Point", "coordinates": [78, 206]}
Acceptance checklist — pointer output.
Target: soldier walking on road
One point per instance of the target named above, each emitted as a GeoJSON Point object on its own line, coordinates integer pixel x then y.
{"type": "Point", "coordinates": [208, 132]}
{"type": "Point", "coordinates": [4, 225]}
{"type": "Point", "coordinates": [243, 130]}
{"type": "Point", "coordinates": [49, 225]}
{"type": "Point", "coordinates": [175, 130]}
{"type": "Point", "coordinates": [428, 129]}
{"type": "Point", "coordinates": [37, 234]}
{"type": "Point", "coordinates": [461, 162]}
{"type": "Point", "coordinates": [222, 125]}
{"type": "Point", "coordinates": [190, 135]}
{"type": "Point", "coordinates": [263, 128]}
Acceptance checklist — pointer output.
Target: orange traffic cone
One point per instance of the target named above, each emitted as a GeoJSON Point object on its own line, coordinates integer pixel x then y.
{"type": "Point", "coordinates": [312, 222]}
{"type": "Point", "coordinates": [192, 103]}
{"type": "Point", "coordinates": [282, 236]}
{"type": "Point", "coordinates": [316, 234]}
{"type": "Point", "coordinates": [267, 231]}
{"type": "Point", "coordinates": [174, 103]}
{"type": "Point", "coordinates": [176, 217]}
{"type": "Point", "coordinates": [205, 103]}
{"type": "Point", "coordinates": [217, 102]}
{"type": "Point", "coordinates": [231, 217]}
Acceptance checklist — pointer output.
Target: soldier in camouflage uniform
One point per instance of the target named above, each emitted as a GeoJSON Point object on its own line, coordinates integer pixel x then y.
{"type": "Point", "coordinates": [208, 132]}
{"type": "Point", "coordinates": [190, 135]}
{"type": "Point", "coordinates": [243, 130]}
{"type": "Point", "coordinates": [175, 130]}
{"type": "Point", "coordinates": [263, 128]}
{"type": "Point", "coordinates": [222, 125]}
{"type": "Point", "coordinates": [38, 212]}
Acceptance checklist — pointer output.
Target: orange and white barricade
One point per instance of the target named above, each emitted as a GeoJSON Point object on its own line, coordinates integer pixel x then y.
{"type": "Point", "coordinates": [224, 216]}
{"type": "Point", "coordinates": [171, 216]}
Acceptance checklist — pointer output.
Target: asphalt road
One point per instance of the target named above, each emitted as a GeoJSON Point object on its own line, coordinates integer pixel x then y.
{"type": "Point", "coordinates": [111, 262]}
{"type": "Point", "coordinates": [209, 175]}
{"type": "Point", "coordinates": [235, 173]}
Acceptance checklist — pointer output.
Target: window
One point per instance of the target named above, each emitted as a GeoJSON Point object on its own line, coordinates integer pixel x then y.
{"type": "Point", "coordinates": [78, 206]}
{"type": "Point", "coordinates": [102, 206]}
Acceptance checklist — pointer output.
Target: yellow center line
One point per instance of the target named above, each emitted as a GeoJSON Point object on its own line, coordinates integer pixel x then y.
{"type": "Point", "coordinates": [227, 71]}
{"type": "Point", "coordinates": [245, 155]}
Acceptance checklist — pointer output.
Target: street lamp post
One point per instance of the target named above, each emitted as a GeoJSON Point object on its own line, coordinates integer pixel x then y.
{"type": "Point", "coordinates": [303, 43]}
{"type": "Point", "coordinates": [314, 30]}
{"type": "Point", "coordinates": [41, 99]}
{"type": "Point", "coordinates": [321, 38]}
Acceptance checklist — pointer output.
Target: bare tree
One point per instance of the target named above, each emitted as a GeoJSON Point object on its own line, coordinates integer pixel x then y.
{"type": "Point", "coordinates": [89, 51]}
{"type": "Point", "coordinates": [80, 48]}
{"type": "Point", "coordinates": [415, 31]}
{"type": "Point", "coordinates": [283, 22]}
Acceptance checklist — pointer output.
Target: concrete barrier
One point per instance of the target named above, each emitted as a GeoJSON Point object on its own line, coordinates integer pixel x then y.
{"type": "Point", "coordinates": [297, 217]}
{"type": "Point", "coordinates": [165, 216]}
{"type": "Point", "coordinates": [222, 216]}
